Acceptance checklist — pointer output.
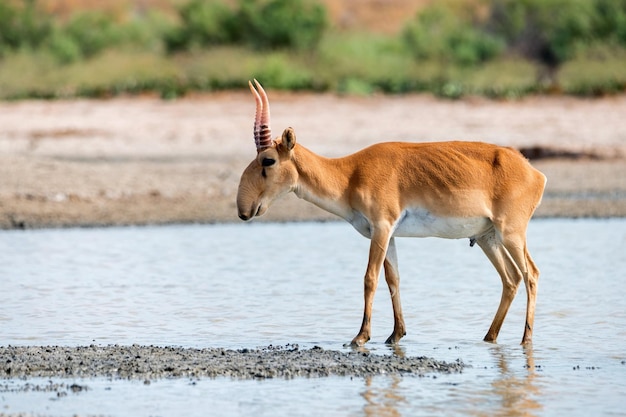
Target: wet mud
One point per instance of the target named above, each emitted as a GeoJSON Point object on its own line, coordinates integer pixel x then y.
{"type": "Point", "coordinates": [151, 362]}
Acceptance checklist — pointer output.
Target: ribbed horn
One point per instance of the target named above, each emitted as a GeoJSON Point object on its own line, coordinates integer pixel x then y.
{"type": "Point", "coordinates": [265, 132]}
{"type": "Point", "coordinates": [257, 116]}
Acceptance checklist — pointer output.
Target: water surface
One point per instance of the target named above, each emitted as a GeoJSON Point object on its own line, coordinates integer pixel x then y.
{"type": "Point", "coordinates": [251, 285]}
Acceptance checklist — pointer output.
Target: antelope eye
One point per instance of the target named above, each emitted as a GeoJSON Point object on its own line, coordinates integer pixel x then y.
{"type": "Point", "coordinates": [267, 162]}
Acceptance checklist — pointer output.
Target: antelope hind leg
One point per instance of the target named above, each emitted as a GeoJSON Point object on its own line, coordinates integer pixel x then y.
{"type": "Point", "coordinates": [392, 277]}
{"type": "Point", "coordinates": [509, 274]}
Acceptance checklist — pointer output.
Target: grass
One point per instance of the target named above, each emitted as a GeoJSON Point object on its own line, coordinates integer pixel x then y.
{"type": "Point", "coordinates": [346, 63]}
{"type": "Point", "coordinates": [596, 72]}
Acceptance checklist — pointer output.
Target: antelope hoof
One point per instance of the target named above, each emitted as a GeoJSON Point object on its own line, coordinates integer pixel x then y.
{"type": "Point", "coordinates": [394, 338]}
{"type": "Point", "coordinates": [358, 341]}
{"type": "Point", "coordinates": [527, 341]}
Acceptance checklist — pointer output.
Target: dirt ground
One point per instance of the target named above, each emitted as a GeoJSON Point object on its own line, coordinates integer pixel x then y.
{"type": "Point", "coordinates": [142, 160]}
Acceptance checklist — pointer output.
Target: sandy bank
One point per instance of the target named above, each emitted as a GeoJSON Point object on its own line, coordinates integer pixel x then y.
{"type": "Point", "coordinates": [147, 161]}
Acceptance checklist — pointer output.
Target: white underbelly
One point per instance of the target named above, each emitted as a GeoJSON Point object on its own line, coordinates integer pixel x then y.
{"type": "Point", "coordinates": [422, 223]}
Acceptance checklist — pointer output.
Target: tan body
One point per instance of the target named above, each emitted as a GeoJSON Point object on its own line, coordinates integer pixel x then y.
{"type": "Point", "coordinates": [450, 189]}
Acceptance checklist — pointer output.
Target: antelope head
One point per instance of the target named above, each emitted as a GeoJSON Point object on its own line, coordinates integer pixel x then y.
{"type": "Point", "coordinates": [272, 173]}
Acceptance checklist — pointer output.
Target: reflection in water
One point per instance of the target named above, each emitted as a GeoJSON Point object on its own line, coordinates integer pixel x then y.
{"type": "Point", "coordinates": [516, 392]}
{"type": "Point", "coordinates": [397, 350]}
{"type": "Point", "coordinates": [382, 395]}
{"type": "Point", "coordinates": [383, 399]}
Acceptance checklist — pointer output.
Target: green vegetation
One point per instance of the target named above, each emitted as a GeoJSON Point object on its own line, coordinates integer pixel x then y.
{"type": "Point", "coordinates": [451, 34]}
{"type": "Point", "coordinates": [295, 25]}
{"type": "Point", "coordinates": [452, 48]}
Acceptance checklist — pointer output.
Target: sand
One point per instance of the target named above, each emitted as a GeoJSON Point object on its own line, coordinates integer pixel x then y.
{"type": "Point", "coordinates": [142, 160]}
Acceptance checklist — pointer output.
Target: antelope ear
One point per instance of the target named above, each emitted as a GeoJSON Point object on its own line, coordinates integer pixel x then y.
{"type": "Point", "coordinates": [289, 138]}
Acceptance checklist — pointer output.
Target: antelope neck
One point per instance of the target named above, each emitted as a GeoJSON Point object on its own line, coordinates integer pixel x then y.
{"type": "Point", "coordinates": [322, 181]}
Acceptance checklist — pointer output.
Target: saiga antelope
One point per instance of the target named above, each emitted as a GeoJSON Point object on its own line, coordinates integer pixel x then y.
{"type": "Point", "coordinates": [450, 190]}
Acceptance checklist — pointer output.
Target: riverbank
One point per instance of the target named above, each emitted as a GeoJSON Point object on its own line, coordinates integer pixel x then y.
{"type": "Point", "coordinates": [142, 160]}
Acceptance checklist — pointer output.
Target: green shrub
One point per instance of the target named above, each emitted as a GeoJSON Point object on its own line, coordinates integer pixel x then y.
{"type": "Point", "coordinates": [610, 20]}
{"type": "Point", "coordinates": [548, 31]}
{"type": "Point", "coordinates": [203, 24]}
{"type": "Point", "coordinates": [266, 24]}
{"type": "Point", "coordinates": [88, 34]}
{"type": "Point", "coordinates": [144, 32]}
{"type": "Point", "coordinates": [93, 32]}
{"type": "Point", "coordinates": [9, 32]}
{"type": "Point", "coordinates": [297, 24]}
{"type": "Point", "coordinates": [24, 26]}
{"type": "Point", "coordinates": [442, 33]}
{"type": "Point", "coordinates": [64, 48]}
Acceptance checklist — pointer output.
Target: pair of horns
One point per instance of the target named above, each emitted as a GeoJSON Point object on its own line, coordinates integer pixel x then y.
{"type": "Point", "coordinates": [262, 131]}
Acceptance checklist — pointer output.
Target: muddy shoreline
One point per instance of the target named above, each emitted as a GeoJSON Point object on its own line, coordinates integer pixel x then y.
{"type": "Point", "coordinates": [151, 362]}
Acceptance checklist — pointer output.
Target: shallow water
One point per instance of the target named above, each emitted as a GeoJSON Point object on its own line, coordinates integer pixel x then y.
{"type": "Point", "coordinates": [252, 285]}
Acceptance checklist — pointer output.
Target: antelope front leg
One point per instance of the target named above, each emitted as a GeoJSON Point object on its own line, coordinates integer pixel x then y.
{"type": "Point", "coordinates": [378, 250]}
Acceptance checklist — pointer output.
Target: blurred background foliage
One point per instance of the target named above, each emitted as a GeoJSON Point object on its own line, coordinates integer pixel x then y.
{"type": "Point", "coordinates": [452, 48]}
